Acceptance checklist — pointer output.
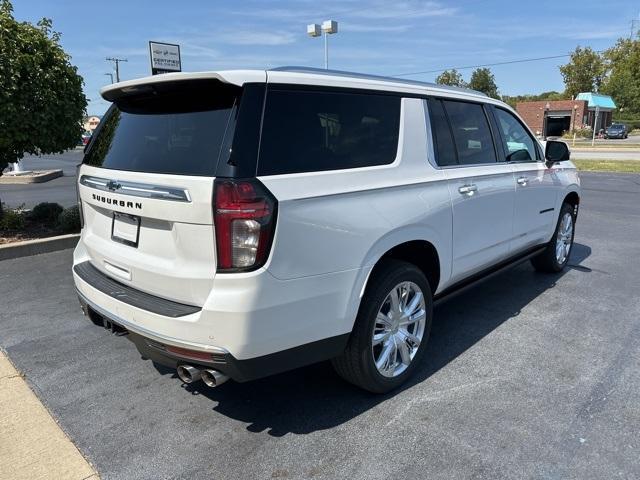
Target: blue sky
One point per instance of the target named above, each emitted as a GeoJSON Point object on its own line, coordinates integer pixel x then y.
{"type": "Point", "coordinates": [376, 36]}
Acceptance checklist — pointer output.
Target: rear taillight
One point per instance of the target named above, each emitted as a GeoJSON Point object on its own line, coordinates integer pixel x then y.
{"type": "Point", "coordinates": [245, 217]}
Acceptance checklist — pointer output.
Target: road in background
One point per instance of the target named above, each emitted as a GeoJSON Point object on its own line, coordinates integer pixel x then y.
{"type": "Point", "coordinates": [620, 142]}
{"type": "Point", "coordinates": [526, 376]}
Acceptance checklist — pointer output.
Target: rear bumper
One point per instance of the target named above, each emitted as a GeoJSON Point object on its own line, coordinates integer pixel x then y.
{"type": "Point", "coordinates": [258, 324]}
{"type": "Point", "coordinates": [171, 352]}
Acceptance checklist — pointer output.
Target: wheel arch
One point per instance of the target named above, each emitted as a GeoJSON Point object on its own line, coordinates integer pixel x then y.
{"type": "Point", "coordinates": [421, 253]}
{"type": "Point", "coordinates": [407, 244]}
{"type": "Point", "coordinates": [572, 198]}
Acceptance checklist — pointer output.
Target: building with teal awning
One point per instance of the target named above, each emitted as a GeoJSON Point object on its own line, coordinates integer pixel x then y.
{"type": "Point", "coordinates": [603, 105]}
{"type": "Point", "coordinates": [553, 118]}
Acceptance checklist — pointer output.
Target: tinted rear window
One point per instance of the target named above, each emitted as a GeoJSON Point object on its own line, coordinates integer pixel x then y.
{"type": "Point", "coordinates": [471, 132]}
{"type": "Point", "coordinates": [444, 148]}
{"type": "Point", "coordinates": [175, 128]}
{"type": "Point", "coordinates": [305, 131]}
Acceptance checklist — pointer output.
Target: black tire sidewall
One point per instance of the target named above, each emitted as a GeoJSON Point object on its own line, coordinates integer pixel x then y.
{"type": "Point", "coordinates": [391, 274]}
{"type": "Point", "coordinates": [566, 208]}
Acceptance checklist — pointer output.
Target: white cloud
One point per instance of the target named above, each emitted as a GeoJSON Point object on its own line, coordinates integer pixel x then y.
{"type": "Point", "coordinates": [256, 38]}
{"type": "Point", "coordinates": [366, 28]}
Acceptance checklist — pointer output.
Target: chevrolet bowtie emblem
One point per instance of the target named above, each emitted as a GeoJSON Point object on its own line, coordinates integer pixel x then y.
{"type": "Point", "coordinates": [113, 185]}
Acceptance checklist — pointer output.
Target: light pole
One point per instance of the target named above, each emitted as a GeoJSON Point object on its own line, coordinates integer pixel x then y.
{"type": "Point", "coordinates": [329, 27]}
{"type": "Point", "coordinates": [110, 75]}
{"type": "Point", "coordinates": [595, 125]}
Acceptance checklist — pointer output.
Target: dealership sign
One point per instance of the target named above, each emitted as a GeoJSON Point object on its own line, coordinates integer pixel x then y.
{"type": "Point", "coordinates": [165, 58]}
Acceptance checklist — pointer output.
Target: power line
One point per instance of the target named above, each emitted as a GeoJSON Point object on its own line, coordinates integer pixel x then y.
{"type": "Point", "coordinates": [483, 65]}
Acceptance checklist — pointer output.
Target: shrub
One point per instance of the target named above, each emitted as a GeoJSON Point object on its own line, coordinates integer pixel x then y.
{"type": "Point", "coordinates": [12, 219]}
{"type": "Point", "coordinates": [585, 132]}
{"type": "Point", "coordinates": [46, 212]}
{"type": "Point", "coordinates": [69, 220]}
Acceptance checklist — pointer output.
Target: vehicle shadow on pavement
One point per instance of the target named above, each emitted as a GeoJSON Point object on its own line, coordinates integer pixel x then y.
{"type": "Point", "coordinates": [315, 398]}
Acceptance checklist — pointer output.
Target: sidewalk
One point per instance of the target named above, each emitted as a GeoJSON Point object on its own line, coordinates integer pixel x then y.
{"type": "Point", "coordinates": [32, 445]}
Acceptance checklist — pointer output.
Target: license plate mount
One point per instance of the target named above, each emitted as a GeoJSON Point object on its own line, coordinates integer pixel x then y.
{"type": "Point", "coordinates": [125, 229]}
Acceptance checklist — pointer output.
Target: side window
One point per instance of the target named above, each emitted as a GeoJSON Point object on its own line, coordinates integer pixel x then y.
{"type": "Point", "coordinates": [516, 141]}
{"type": "Point", "coordinates": [306, 131]}
{"type": "Point", "coordinates": [471, 132]}
{"type": "Point", "coordinates": [444, 147]}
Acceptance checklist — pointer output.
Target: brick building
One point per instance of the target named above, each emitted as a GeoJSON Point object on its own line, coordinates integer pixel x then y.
{"type": "Point", "coordinates": [560, 116]}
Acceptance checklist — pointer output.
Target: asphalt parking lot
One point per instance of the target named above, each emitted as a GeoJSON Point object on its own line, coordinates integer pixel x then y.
{"type": "Point", "coordinates": [527, 376]}
{"type": "Point", "coordinates": [61, 190]}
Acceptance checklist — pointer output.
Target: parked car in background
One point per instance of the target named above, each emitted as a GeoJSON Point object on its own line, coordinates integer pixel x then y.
{"type": "Point", "coordinates": [86, 138]}
{"type": "Point", "coordinates": [616, 130]}
{"type": "Point", "coordinates": [242, 223]}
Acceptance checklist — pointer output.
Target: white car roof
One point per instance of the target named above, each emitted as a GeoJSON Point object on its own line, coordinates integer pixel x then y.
{"type": "Point", "coordinates": [303, 76]}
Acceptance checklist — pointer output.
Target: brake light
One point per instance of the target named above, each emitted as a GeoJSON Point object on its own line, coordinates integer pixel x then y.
{"type": "Point", "coordinates": [244, 217]}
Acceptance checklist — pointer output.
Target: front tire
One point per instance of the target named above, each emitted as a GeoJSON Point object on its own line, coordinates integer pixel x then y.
{"type": "Point", "coordinates": [391, 330]}
{"type": "Point", "coordinates": [556, 255]}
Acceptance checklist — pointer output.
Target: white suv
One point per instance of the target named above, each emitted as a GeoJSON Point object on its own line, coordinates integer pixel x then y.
{"type": "Point", "coordinates": [242, 223]}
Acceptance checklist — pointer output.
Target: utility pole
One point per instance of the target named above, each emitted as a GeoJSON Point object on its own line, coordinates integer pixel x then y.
{"type": "Point", "coordinates": [117, 61]}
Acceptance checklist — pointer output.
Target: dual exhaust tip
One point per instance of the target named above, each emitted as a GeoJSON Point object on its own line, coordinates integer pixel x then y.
{"type": "Point", "coordinates": [211, 378]}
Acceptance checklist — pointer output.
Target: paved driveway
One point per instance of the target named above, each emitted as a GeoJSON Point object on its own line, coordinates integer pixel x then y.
{"type": "Point", "coordinates": [527, 376]}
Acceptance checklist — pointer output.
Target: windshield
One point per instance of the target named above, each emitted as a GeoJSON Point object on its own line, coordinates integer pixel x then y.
{"type": "Point", "coordinates": [177, 128]}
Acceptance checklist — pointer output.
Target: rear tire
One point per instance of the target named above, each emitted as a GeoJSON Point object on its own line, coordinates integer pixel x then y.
{"type": "Point", "coordinates": [556, 255]}
{"type": "Point", "coordinates": [391, 330]}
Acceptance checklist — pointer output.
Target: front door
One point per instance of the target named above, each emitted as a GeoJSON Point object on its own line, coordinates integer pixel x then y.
{"type": "Point", "coordinates": [481, 188]}
{"type": "Point", "coordinates": [535, 184]}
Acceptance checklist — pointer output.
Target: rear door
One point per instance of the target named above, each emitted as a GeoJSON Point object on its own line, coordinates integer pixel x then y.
{"type": "Point", "coordinates": [481, 188]}
{"type": "Point", "coordinates": [536, 186]}
{"type": "Point", "coordinates": [146, 187]}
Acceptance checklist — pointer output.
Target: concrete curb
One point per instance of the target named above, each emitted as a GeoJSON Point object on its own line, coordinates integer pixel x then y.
{"type": "Point", "coordinates": [42, 177]}
{"type": "Point", "coordinates": [36, 247]}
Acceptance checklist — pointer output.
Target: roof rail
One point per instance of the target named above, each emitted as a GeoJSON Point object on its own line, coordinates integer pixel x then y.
{"type": "Point", "coordinates": [365, 76]}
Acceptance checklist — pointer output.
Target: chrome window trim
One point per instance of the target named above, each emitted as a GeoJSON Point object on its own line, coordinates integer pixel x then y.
{"type": "Point", "coordinates": [134, 189]}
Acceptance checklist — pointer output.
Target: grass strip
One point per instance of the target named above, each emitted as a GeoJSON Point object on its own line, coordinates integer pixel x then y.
{"type": "Point", "coordinates": [621, 166]}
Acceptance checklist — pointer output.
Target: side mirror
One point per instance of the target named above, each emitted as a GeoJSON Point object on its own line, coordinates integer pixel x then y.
{"type": "Point", "coordinates": [555, 152]}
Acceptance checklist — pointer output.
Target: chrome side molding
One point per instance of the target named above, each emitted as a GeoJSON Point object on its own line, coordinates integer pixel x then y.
{"type": "Point", "coordinates": [134, 189]}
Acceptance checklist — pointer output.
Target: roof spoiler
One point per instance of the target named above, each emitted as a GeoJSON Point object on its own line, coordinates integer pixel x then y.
{"type": "Point", "coordinates": [118, 90]}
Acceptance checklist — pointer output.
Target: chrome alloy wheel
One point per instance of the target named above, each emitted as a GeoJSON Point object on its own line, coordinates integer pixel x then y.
{"type": "Point", "coordinates": [564, 238]}
{"type": "Point", "coordinates": [399, 329]}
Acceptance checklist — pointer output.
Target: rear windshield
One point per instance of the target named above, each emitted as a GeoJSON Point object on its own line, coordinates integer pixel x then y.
{"type": "Point", "coordinates": [173, 128]}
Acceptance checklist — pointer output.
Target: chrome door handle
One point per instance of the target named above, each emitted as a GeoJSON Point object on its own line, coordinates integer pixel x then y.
{"type": "Point", "coordinates": [469, 189]}
{"type": "Point", "coordinates": [523, 181]}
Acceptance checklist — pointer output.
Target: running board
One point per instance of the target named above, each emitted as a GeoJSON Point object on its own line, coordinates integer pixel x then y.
{"type": "Point", "coordinates": [484, 275]}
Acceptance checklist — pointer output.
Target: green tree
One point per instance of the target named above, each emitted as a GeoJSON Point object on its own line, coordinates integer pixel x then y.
{"type": "Point", "coordinates": [585, 71]}
{"type": "Point", "coordinates": [41, 99]}
{"type": "Point", "coordinates": [513, 100]}
{"type": "Point", "coordinates": [483, 81]}
{"type": "Point", "coordinates": [452, 78]}
{"type": "Point", "coordinates": [623, 81]}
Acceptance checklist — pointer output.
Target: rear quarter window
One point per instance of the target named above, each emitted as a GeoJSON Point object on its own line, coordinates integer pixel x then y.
{"type": "Point", "coordinates": [306, 131]}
